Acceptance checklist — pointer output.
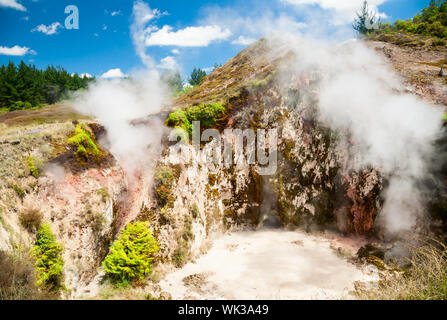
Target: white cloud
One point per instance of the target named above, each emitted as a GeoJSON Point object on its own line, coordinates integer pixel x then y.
{"type": "Point", "coordinates": [115, 13]}
{"type": "Point", "coordinates": [188, 37]}
{"type": "Point", "coordinates": [175, 51]}
{"type": "Point", "coordinates": [48, 30]}
{"type": "Point", "coordinates": [16, 51]}
{"type": "Point", "coordinates": [12, 4]}
{"type": "Point", "coordinates": [96, 34]}
{"type": "Point", "coordinates": [344, 10]}
{"type": "Point", "coordinates": [253, 24]}
{"type": "Point", "coordinates": [104, 27]}
{"type": "Point", "coordinates": [145, 34]}
{"type": "Point", "coordinates": [243, 41]}
{"type": "Point", "coordinates": [113, 73]}
{"type": "Point", "coordinates": [82, 75]}
{"type": "Point", "coordinates": [169, 63]}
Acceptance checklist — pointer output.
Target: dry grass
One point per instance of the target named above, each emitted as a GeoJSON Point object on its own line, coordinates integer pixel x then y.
{"type": "Point", "coordinates": [31, 218]}
{"type": "Point", "coordinates": [18, 278]}
{"type": "Point", "coordinates": [48, 114]}
{"type": "Point", "coordinates": [426, 279]}
{"type": "Point", "coordinates": [252, 65]}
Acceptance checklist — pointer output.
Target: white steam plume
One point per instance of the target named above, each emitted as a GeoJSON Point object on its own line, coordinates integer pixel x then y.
{"type": "Point", "coordinates": [56, 172]}
{"type": "Point", "coordinates": [392, 131]}
{"type": "Point", "coordinates": [141, 15]}
{"type": "Point", "coordinates": [116, 103]}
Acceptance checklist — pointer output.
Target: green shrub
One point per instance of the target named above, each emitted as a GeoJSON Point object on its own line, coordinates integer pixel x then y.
{"type": "Point", "coordinates": [183, 250]}
{"type": "Point", "coordinates": [49, 262]}
{"type": "Point", "coordinates": [179, 119]}
{"type": "Point", "coordinates": [164, 180]}
{"type": "Point", "coordinates": [431, 21]}
{"type": "Point", "coordinates": [84, 143]}
{"type": "Point", "coordinates": [35, 166]}
{"type": "Point", "coordinates": [207, 114]}
{"type": "Point", "coordinates": [132, 254]}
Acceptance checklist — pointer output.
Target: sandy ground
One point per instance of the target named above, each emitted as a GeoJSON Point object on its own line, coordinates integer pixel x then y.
{"type": "Point", "coordinates": [267, 264]}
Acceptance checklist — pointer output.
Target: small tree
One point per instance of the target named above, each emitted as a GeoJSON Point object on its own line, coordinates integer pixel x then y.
{"type": "Point", "coordinates": [131, 255]}
{"type": "Point", "coordinates": [173, 80]}
{"type": "Point", "coordinates": [197, 76]}
{"type": "Point", "coordinates": [366, 20]}
{"type": "Point", "coordinates": [48, 253]}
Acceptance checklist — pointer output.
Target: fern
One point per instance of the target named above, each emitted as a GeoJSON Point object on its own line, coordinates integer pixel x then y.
{"type": "Point", "coordinates": [132, 254]}
{"type": "Point", "coordinates": [49, 262]}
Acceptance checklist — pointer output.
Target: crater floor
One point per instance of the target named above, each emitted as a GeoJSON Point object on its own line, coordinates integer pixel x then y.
{"type": "Point", "coordinates": [266, 265]}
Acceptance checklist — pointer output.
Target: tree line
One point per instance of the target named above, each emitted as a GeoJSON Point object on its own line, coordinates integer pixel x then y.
{"type": "Point", "coordinates": [430, 21]}
{"type": "Point", "coordinates": [24, 86]}
{"type": "Point", "coordinates": [177, 84]}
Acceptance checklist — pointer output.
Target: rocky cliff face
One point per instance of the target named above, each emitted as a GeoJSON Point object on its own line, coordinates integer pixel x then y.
{"type": "Point", "coordinates": [79, 201]}
{"type": "Point", "coordinates": [313, 185]}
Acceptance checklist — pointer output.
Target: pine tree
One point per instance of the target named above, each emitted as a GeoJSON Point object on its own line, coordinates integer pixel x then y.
{"type": "Point", "coordinates": [365, 21]}
{"type": "Point", "coordinates": [197, 76]}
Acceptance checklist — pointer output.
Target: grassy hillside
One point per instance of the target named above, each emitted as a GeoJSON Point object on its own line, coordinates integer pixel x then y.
{"type": "Point", "coordinates": [429, 24]}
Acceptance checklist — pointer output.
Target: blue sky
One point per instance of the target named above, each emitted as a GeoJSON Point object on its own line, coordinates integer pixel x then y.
{"type": "Point", "coordinates": [181, 35]}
